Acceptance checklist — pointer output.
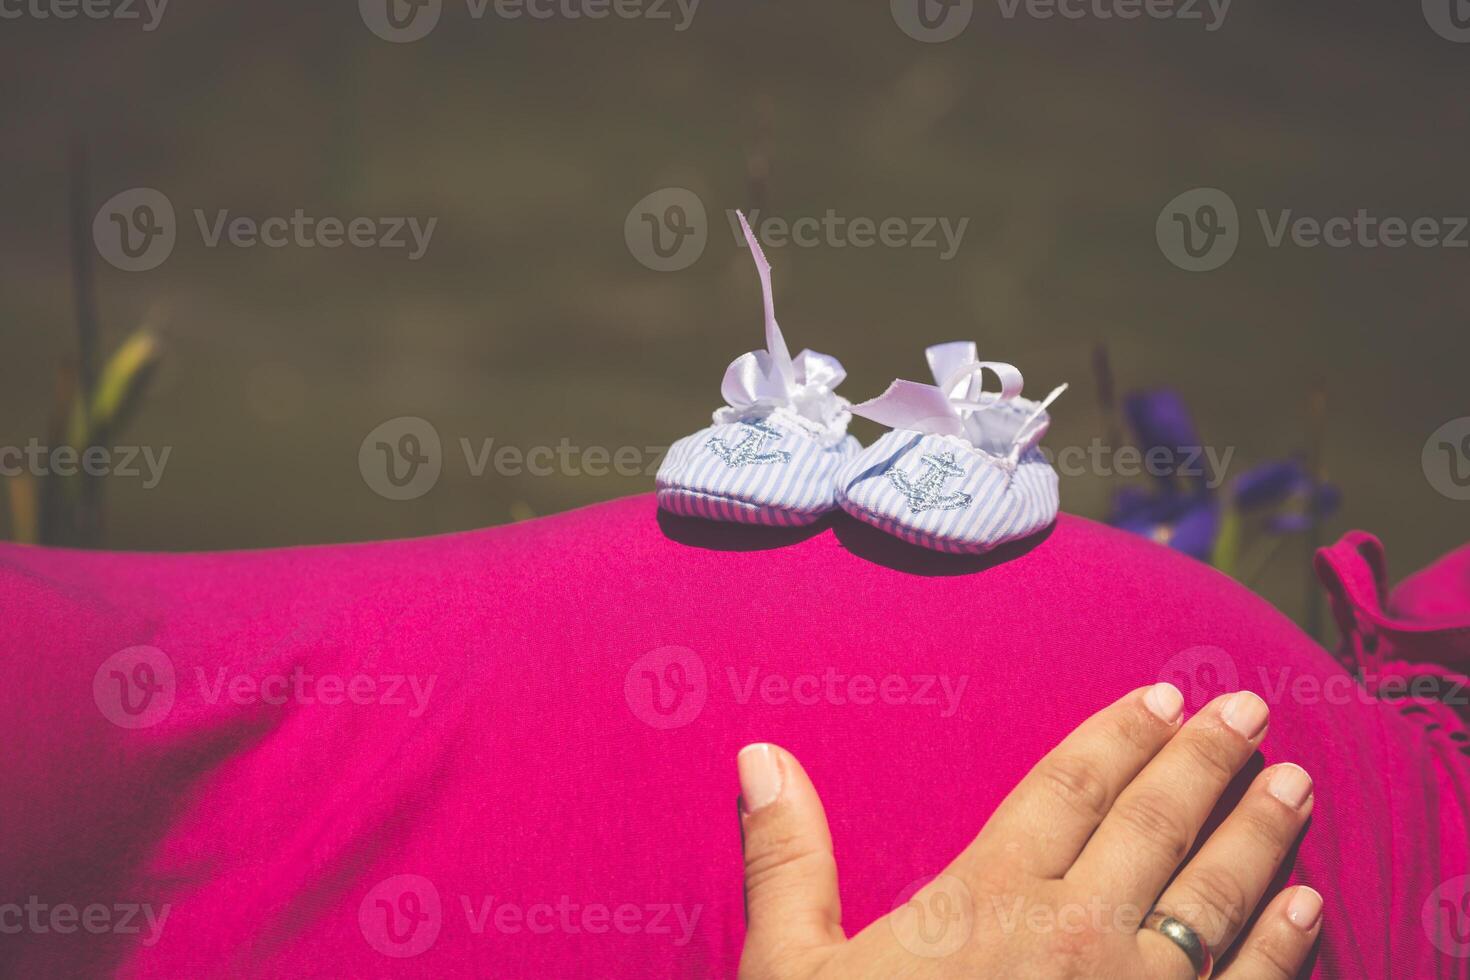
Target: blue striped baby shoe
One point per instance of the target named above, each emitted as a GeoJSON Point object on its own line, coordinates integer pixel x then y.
{"type": "Point", "coordinates": [773, 452]}
{"type": "Point", "coordinates": [961, 471]}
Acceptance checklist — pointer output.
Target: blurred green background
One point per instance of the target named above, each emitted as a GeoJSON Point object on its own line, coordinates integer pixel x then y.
{"type": "Point", "coordinates": [529, 320]}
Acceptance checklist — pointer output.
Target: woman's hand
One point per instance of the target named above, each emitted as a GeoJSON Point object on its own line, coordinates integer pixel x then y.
{"type": "Point", "coordinates": [1061, 878]}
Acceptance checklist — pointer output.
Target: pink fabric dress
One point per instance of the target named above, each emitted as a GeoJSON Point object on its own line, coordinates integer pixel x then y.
{"type": "Point", "coordinates": [510, 752]}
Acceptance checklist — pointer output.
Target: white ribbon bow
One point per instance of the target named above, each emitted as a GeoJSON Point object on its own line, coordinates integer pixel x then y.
{"type": "Point", "coordinates": [955, 405]}
{"type": "Point", "coordinates": [771, 378]}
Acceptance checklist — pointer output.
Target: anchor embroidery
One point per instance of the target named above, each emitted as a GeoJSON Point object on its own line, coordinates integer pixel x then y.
{"type": "Point", "coordinates": [748, 450]}
{"type": "Point", "coordinates": [927, 491]}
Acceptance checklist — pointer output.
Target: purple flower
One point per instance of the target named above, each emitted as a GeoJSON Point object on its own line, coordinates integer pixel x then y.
{"type": "Point", "coordinates": [1177, 513]}
{"type": "Point", "coordinates": [1162, 425]}
{"type": "Point", "coordinates": [1184, 522]}
{"type": "Point", "coordinates": [1320, 503]}
{"type": "Point", "coordinates": [1182, 510]}
{"type": "Point", "coordinates": [1268, 484]}
{"type": "Point", "coordinates": [1286, 488]}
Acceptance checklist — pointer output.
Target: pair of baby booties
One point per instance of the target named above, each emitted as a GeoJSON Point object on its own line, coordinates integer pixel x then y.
{"type": "Point", "coordinates": [960, 471]}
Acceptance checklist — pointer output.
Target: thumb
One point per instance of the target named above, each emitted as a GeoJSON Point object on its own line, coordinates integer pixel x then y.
{"type": "Point", "coordinates": [791, 902]}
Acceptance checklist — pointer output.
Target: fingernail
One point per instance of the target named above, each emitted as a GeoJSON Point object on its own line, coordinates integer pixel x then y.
{"type": "Point", "coordinates": [1290, 784]}
{"type": "Point", "coordinates": [760, 776]}
{"type": "Point", "coordinates": [1305, 908]}
{"type": "Point", "coordinates": [1246, 713]}
{"type": "Point", "coordinates": [1165, 701]}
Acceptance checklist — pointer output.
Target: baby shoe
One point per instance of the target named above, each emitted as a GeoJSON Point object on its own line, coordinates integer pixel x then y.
{"type": "Point", "coordinates": [773, 452]}
{"type": "Point", "coordinates": [961, 471]}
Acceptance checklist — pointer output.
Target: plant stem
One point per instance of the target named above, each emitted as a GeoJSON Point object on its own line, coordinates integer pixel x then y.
{"type": "Point", "coordinates": [89, 512]}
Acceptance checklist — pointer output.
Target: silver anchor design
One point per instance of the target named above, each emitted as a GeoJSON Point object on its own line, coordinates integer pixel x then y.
{"type": "Point", "coordinates": [926, 492]}
{"type": "Point", "coordinates": [749, 449]}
